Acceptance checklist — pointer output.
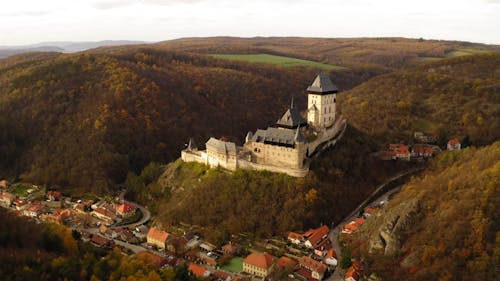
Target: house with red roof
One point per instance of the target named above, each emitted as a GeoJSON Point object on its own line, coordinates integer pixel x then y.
{"type": "Point", "coordinates": [157, 237]}
{"type": "Point", "coordinates": [453, 144]}
{"type": "Point", "coordinates": [351, 274]}
{"type": "Point", "coordinates": [20, 204]}
{"type": "Point", "coordinates": [221, 275]}
{"type": "Point", "coordinates": [54, 195]}
{"type": "Point", "coordinates": [104, 214]}
{"type": "Point", "coordinates": [101, 241]}
{"type": "Point", "coordinates": [34, 210]}
{"type": "Point", "coordinates": [126, 210]}
{"type": "Point", "coordinates": [229, 249]}
{"type": "Point", "coordinates": [286, 263]}
{"type": "Point", "coordinates": [295, 238]}
{"type": "Point", "coordinates": [317, 269]}
{"type": "Point", "coordinates": [330, 258]}
{"type": "Point", "coordinates": [353, 226]}
{"type": "Point", "coordinates": [6, 199]}
{"type": "Point", "coordinates": [316, 236]}
{"type": "Point", "coordinates": [198, 270]}
{"type": "Point", "coordinates": [322, 248]}
{"type": "Point", "coordinates": [4, 183]}
{"type": "Point", "coordinates": [400, 151]}
{"type": "Point", "coordinates": [258, 264]}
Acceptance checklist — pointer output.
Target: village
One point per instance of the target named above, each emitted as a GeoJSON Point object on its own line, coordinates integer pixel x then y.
{"type": "Point", "coordinates": [110, 223]}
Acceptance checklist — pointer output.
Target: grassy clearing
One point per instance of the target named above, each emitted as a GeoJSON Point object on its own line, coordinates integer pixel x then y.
{"type": "Point", "coordinates": [234, 265]}
{"type": "Point", "coordinates": [465, 52]}
{"type": "Point", "coordinates": [277, 60]}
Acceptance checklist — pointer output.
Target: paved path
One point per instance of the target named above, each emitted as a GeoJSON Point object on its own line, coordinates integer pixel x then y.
{"type": "Point", "coordinates": [338, 274]}
{"type": "Point", "coordinates": [146, 214]}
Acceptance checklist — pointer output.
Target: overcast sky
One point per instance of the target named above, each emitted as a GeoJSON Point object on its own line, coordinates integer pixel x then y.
{"type": "Point", "coordinates": [33, 21]}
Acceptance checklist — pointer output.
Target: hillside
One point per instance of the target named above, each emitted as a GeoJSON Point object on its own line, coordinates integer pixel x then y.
{"type": "Point", "coordinates": [443, 225]}
{"type": "Point", "coordinates": [457, 97]}
{"type": "Point", "coordinates": [84, 120]}
{"type": "Point", "coordinates": [377, 54]}
{"type": "Point", "coordinates": [263, 203]}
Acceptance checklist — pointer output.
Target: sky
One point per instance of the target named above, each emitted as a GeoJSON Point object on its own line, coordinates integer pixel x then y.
{"type": "Point", "coordinates": [33, 21]}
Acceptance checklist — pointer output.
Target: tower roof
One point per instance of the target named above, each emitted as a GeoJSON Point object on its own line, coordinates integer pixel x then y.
{"type": "Point", "coordinates": [291, 118]}
{"type": "Point", "coordinates": [322, 84]}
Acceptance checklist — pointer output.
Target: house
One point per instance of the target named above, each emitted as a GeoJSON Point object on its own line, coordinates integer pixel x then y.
{"type": "Point", "coordinates": [222, 276]}
{"type": "Point", "coordinates": [126, 210]}
{"type": "Point", "coordinates": [34, 210]}
{"type": "Point", "coordinates": [258, 264]}
{"type": "Point", "coordinates": [205, 246]}
{"type": "Point", "coordinates": [104, 214]}
{"type": "Point", "coordinates": [369, 211]}
{"type": "Point", "coordinates": [351, 274]}
{"type": "Point", "coordinates": [400, 151]}
{"type": "Point", "coordinates": [330, 258]}
{"type": "Point", "coordinates": [295, 238]}
{"type": "Point", "coordinates": [152, 258]}
{"type": "Point", "coordinates": [157, 237]}
{"type": "Point", "coordinates": [101, 241]}
{"type": "Point", "coordinates": [4, 183]}
{"type": "Point", "coordinates": [317, 268]}
{"type": "Point", "coordinates": [322, 248]}
{"type": "Point", "coordinates": [20, 204]}
{"type": "Point", "coordinates": [453, 144]}
{"type": "Point", "coordinates": [316, 237]}
{"type": "Point", "coordinates": [353, 226]}
{"type": "Point", "coordinates": [198, 270]}
{"type": "Point", "coordinates": [424, 151]}
{"type": "Point", "coordinates": [58, 217]}
{"type": "Point", "coordinates": [54, 195]}
{"type": "Point", "coordinates": [6, 199]}
{"type": "Point", "coordinates": [229, 249]}
{"type": "Point", "coordinates": [286, 263]}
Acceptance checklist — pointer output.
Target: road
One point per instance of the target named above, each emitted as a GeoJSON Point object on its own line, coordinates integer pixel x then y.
{"type": "Point", "coordinates": [146, 214]}
{"type": "Point", "coordinates": [338, 274]}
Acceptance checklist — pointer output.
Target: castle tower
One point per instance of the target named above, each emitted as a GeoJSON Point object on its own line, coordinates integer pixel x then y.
{"type": "Point", "coordinates": [321, 102]}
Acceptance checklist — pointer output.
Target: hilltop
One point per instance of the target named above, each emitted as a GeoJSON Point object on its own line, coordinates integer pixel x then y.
{"type": "Point", "coordinates": [442, 225]}
{"type": "Point", "coordinates": [457, 97]}
{"type": "Point", "coordinates": [84, 120]}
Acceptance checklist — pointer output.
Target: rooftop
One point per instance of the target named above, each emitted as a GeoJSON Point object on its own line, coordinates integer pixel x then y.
{"type": "Point", "coordinates": [280, 136]}
{"type": "Point", "coordinates": [264, 260]}
{"type": "Point", "coordinates": [322, 84]}
{"type": "Point", "coordinates": [156, 234]}
{"type": "Point", "coordinates": [291, 118]}
{"type": "Point", "coordinates": [221, 146]}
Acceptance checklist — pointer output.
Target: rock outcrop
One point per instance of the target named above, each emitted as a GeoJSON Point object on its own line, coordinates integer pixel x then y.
{"type": "Point", "coordinates": [391, 233]}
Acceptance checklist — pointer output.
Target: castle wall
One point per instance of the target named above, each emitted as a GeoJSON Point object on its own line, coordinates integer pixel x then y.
{"type": "Point", "coordinates": [276, 155]}
{"type": "Point", "coordinates": [294, 172]}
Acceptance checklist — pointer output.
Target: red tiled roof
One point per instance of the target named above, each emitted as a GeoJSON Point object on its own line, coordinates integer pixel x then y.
{"type": "Point", "coordinates": [55, 194]}
{"type": "Point", "coordinates": [157, 234]}
{"type": "Point", "coordinates": [221, 275]}
{"type": "Point", "coordinates": [453, 142]}
{"type": "Point", "coordinates": [351, 272]}
{"type": "Point", "coordinates": [318, 234]}
{"type": "Point", "coordinates": [286, 262]}
{"type": "Point", "coordinates": [105, 213]}
{"type": "Point", "coordinates": [229, 248]}
{"type": "Point", "coordinates": [197, 269]}
{"type": "Point", "coordinates": [99, 240]}
{"type": "Point", "coordinates": [294, 235]}
{"type": "Point", "coordinates": [125, 208]}
{"type": "Point", "coordinates": [264, 260]}
{"type": "Point", "coordinates": [331, 253]}
{"type": "Point", "coordinates": [313, 265]}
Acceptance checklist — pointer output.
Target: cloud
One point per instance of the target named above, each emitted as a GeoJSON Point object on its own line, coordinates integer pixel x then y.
{"type": "Point", "coordinates": [32, 13]}
{"type": "Point", "coordinates": [112, 4]}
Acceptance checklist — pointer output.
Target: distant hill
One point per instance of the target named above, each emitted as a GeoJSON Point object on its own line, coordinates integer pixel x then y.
{"type": "Point", "coordinates": [457, 97]}
{"type": "Point", "coordinates": [62, 46]}
{"type": "Point", "coordinates": [381, 54]}
{"type": "Point", "coordinates": [443, 225]}
{"type": "Point", "coordinates": [10, 52]}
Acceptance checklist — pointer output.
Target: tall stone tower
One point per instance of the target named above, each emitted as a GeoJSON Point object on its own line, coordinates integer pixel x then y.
{"type": "Point", "coordinates": [321, 102]}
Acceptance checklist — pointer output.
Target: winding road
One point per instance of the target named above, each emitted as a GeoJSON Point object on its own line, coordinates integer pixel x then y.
{"type": "Point", "coordinates": [338, 274]}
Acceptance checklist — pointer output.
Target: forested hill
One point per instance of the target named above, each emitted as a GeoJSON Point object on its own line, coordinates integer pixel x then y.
{"type": "Point", "coordinates": [380, 54]}
{"type": "Point", "coordinates": [84, 120]}
{"type": "Point", "coordinates": [443, 225]}
{"type": "Point", "coordinates": [458, 97]}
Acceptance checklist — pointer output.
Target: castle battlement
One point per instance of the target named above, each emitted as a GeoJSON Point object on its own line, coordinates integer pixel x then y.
{"type": "Point", "coordinates": [282, 148]}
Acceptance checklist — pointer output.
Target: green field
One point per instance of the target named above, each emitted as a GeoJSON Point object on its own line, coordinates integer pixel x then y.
{"type": "Point", "coordinates": [465, 52]}
{"type": "Point", "coordinates": [277, 60]}
{"type": "Point", "coordinates": [234, 265]}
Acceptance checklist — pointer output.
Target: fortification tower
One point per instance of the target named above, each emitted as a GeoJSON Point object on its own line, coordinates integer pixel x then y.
{"type": "Point", "coordinates": [321, 102]}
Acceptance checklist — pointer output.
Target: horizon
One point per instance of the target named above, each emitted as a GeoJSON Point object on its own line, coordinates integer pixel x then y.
{"type": "Point", "coordinates": [163, 20]}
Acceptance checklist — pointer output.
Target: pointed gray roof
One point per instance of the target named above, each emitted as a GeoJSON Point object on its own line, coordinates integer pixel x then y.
{"type": "Point", "coordinates": [249, 136]}
{"type": "Point", "coordinates": [298, 135]}
{"type": "Point", "coordinates": [276, 136]}
{"type": "Point", "coordinates": [322, 84]}
{"type": "Point", "coordinates": [291, 118]}
{"type": "Point", "coordinates": [192, 145]}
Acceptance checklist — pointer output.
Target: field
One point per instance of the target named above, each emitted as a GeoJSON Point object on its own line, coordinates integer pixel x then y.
{"type": "Point", "coordinates": [278, 60]}
{"type": "Point", "coordinates": [234, 265]}
{"type": "Point", "coordinates": [465, 52]}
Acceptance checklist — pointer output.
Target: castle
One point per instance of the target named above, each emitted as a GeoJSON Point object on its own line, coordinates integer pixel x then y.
{"type": "Point", "coordinates": [284, 147]}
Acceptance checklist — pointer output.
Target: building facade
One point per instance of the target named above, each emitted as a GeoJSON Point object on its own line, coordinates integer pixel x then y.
{"type": "Point", "coordinates": [258, 264]}
{"type": "Point", "coordinates": [321, 102]}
